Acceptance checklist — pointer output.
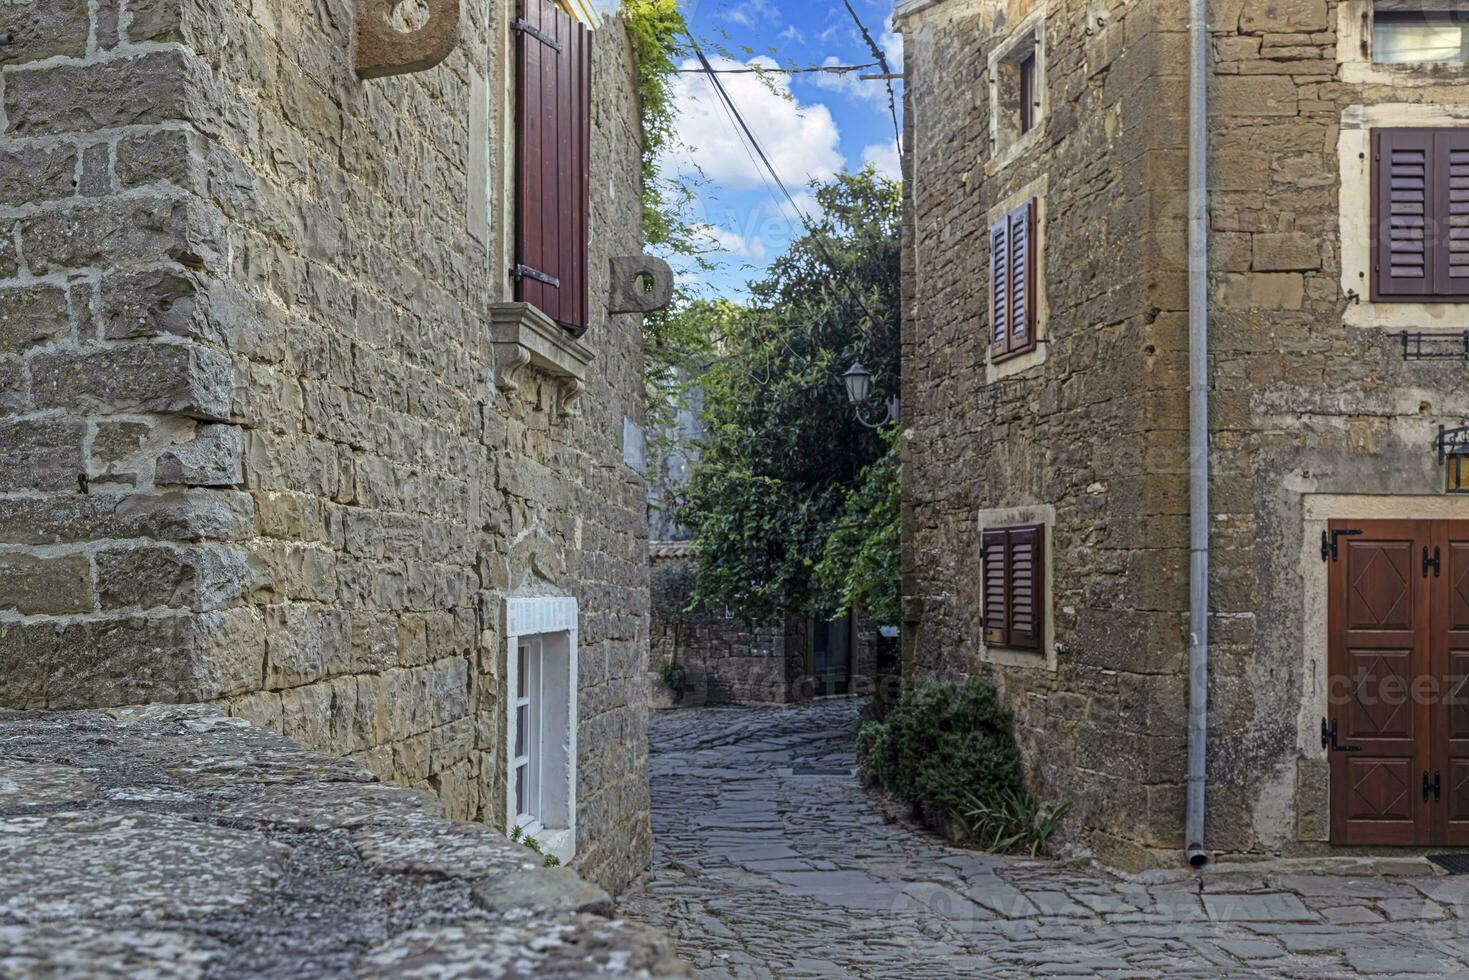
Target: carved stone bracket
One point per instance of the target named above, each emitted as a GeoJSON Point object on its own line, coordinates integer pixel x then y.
{"type": "Point", "coordinates": [640, 284]}
{"type": "Point", "coordinates": [526, 342]}
{"type": "Point", "coordinates": [383, 49]}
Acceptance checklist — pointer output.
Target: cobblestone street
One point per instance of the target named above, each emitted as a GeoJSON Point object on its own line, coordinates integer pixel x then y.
{"type": "Point", "coordinates": [771, 861]}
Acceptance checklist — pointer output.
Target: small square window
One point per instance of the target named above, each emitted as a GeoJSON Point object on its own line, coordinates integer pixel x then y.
{"type": "Point", "coordinates": [1017, 73]}
{"type": "Point", "coordinates": [1420, 37]}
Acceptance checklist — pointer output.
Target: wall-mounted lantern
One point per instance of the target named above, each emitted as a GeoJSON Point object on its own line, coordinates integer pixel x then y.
{"type": "Point", "coordinates": [1453, 456]}
{"type": "Point", "coordinates": [859, 389]}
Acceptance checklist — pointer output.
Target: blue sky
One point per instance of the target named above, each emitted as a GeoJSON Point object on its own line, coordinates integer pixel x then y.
{"type": "Point", "coordinates": [828, 123]}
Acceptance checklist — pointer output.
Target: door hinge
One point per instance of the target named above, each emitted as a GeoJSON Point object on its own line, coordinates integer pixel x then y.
{"type": "Point", "coordinates": [526, 272]}
{"type": "Point", "coordinates": [1435, 788]}
{"type": "Point", "coordinates": [1329, 739]}
{"type": "Point", "coordinates": [1436, 562]}
{"type": "Point", "coordinates": [1330, 543]}
{"type": "Point", "coordinates": [524, 26]}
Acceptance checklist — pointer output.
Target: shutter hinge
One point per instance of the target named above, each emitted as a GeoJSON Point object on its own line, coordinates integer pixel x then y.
{"type": "Point", "coordinates": [526, 272]}
{"type": "Point", "coordinates": [1435, 788]}
{"type": "Point", "coordinates": [1330, 736]}
{"type": "Point", "coordinates": [1436, 562]}
{"type": "Point", "coordinates": [524, 26]}
{"type": "Point", "coordinates": [1330, 545]}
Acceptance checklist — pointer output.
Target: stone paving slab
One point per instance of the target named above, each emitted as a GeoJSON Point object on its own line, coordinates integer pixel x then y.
{"type": "Point", "coordinates": [763, 872]}
{"type": "Point", "coordinates": [170, 842]}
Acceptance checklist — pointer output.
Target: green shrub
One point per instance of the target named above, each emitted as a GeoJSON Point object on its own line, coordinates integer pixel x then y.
{"type": "Point", "coordinates": [674, 676]}
{"type": "Point", "coordinates": [950, 751]}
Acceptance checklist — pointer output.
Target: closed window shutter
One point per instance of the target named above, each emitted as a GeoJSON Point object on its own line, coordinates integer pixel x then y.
{"type": "Point", "coordinates": [1026, 572]}
{"type": "Point", "coordinates": [1403, 161]}
{"type": "Point", "coordinates": [1451, 212]}
{"type": "Point", "coordinates": [994, 561]}
{"type": "Point", "coordinates": [1022, 265]}
{"type": "Point", "coordinates": [1000, 286]}
{"type": "Point", "coordinates": [553, 188]}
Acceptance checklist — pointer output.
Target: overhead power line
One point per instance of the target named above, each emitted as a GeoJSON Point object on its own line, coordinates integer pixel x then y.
{"type": "Point", "coordinates": [818, 69]}
{"type": "Point", "coordinates": [882, 61]}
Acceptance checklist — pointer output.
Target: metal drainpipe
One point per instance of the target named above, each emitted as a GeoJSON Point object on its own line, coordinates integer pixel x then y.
{"type": "Point", "coordinates": [1198, 420]}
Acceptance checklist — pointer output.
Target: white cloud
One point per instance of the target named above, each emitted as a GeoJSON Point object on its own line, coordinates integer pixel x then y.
{"type": "Point", "coordinates": [891, 43]}
{"type": "Point", "coordinates": [752, 12]}
{"type": "Point", "coordinates": [732, 243]}
{"type": "Point", "coordinates": [801, 140]}
{"type": "Point", "coordinates": [792, 34]}
{"type": "Point", "coordinates": [884, 156]}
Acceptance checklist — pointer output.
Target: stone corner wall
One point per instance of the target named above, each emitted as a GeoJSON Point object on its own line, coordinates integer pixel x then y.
{"type": "Point", "coordinates": [254, 452]}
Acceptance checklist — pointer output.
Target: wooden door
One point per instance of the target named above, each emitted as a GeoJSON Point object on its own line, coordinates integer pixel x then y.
{"type": "Point", "coordinates": [1447, 562]}
{"type": "Point", "coordinates": [1379, 654]}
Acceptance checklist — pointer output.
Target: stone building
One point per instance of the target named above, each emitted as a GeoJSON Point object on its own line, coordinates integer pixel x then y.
{"type": "Point", "coordinates": [316, 406]}
{"type": "Point", "coordinates": [1047, 465]}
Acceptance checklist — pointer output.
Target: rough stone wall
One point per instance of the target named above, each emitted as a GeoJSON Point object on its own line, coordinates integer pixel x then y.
{"type": "Point", "coordinates": [254, 452]}
{"type": "Point", "coordinates": [1091, 425]}
{"type": "Point", "coordinates": [1313, 406]}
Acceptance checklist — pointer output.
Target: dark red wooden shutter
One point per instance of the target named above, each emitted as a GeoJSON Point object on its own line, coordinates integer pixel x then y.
{"type": "Point", "coordinates": [553, 188]}
{"type": "Point", "coordinates": [1000, 286]}
{"type": "Point", "coordinates": [994, 562]}
{"type": "Point", "coordinates": [1403, 172]}
{"type": "Point", "coordinates": [1022, 264]}
{"type": "Point", "coordinates": [1451, 212]}
{"type": "Point", "coordinates": [1027, 572]}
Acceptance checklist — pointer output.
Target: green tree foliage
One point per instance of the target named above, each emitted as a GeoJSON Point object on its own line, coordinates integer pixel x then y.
{"type": "Point", "coordinates": [863, 559]}
{"type": "Point", "coordinates": [785, 448]}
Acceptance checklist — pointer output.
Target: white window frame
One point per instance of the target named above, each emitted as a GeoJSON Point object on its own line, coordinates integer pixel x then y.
{"type": "Point", "coordinates": [546, 630]}
{"type": "Point", "coordinates": [1028, 39]}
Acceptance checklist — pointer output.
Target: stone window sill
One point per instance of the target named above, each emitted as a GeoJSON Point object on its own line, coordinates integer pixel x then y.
{"type": "Point", "coordinates": [525, 341]}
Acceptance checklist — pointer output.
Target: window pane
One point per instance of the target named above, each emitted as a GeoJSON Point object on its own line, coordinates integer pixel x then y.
{"type": "Point", "coordinates": [521, 670]}
{"type": "Point", "coordinates": [1416, 39]}
{"type": "Point", "coordinates": [521, 788]}
{"type": "Point", "coordinates": [522, 726]}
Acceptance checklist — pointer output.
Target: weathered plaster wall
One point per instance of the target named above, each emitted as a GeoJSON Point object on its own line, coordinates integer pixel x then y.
{"type": "Point", "coordinates": [1311, 398]}
{"type": "Point", "coordinates": [254, 451]}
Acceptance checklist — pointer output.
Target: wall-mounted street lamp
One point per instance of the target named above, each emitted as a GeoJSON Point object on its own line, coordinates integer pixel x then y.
{"type": "Point", "coordinates": [1453, 455]}
{"type": "Point", "coordinates": [859, 389]}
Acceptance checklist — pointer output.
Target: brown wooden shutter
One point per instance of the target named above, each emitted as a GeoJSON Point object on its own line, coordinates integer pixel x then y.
{"type": "Point", "coordinates": [1403, 172]}
{"type": "Point", "coordinates": [1451, 212]}
{"type": "Point", "coordinates": [994, 561]}
{"type": "Point", "coordinates": [1027, 571]}
{"type": "Point", "coordinates": [1022, 266]}
{"type": "Point", "coordinates": [553, 189]}
{"type": "Point", "coordinates": [1000, 286]}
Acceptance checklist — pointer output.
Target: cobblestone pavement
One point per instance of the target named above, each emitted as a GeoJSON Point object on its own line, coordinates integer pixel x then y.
{"type": "Point", "coordinates": [772, 862]}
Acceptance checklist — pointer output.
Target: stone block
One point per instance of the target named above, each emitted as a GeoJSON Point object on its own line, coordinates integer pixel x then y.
{"type": "Point", "coordinates": [171, 379]}
{"type": "Point", "coordinates": [1261, 290]}
{"type": "Point", "coordinates": [45, 29]}
{"type": "Point", "coordinates": [15, 386]}
{"type": "Point", "coordinates": [212, 459]}
{"type": "Point", "coordinates": [1286, 252]}
{"type": "Point", "coordinates": [45, 586]}
{"type": "Point", "coordinates": [114, 442]}
{"type": "Point", "coordinates": [96, 176]}
{"type": "Point", "coordinates": [107, 663]}
{"type": "Point", "coordinates": [1255, 95]}
{"type": "Point", "coordinates": [1313, 800]}
{"type": "Point", "coordinates": [32, 174]}
{"type": "Point", "coordinates": [41, 454]}
{"type": "Point", "coordinates": [83, 98]}
{"type": "Point", "coordinates": [154, 303]}
{"type": "Point", "coordinates": [149, 577]}
{"type": "Point", "coordinates": [124, 231]}
{"type": "Point", "coordinates": [1284, 16]}
{"type": "Point", "coordinates": [306, 644]}
{"type": "Point", "coordinates": [181, 516]}
{"type": "Point", "coordinates": [31, 316]}
{"type": "Point", "coordinates": [167, 157]}
{"type": "Point", "coordinates": [155, 20]}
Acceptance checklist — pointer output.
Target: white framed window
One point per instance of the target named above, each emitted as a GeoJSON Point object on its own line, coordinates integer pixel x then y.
{"type": "Point", "coordinates": [1017, 84]}
{"type": "Point", "coordinates": [541, 654]}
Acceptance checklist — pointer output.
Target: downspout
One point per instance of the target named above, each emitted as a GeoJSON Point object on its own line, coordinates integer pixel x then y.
{"type": "Point", "coordinates": [1198, 423]}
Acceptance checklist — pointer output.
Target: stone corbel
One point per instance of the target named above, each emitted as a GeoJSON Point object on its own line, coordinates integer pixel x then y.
{"type": "Point", "coordinates": [526, 342]}
{"type": "Point", "coordinates": [383, 49]}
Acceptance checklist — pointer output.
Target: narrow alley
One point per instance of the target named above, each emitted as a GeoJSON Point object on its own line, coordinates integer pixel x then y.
{"type": "Point", "coordinates": [771, 861]}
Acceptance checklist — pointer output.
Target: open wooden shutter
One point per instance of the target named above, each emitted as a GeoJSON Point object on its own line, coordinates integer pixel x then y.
{"type": "Point", "coordinates": [1027, 570]}
{"type": "Point", "coordinates": [1000, 286]}
{"type": "Point", "coordinates": [1022, 265]}
{"type": "Point", "coordinates": [553, 151]}
{"type": "Point", "coordinates": [1451, 212]}
{"type": "Point", "coordinates": [1403, 172]}
{"type": "Point", "coordinates": [994, 559]}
